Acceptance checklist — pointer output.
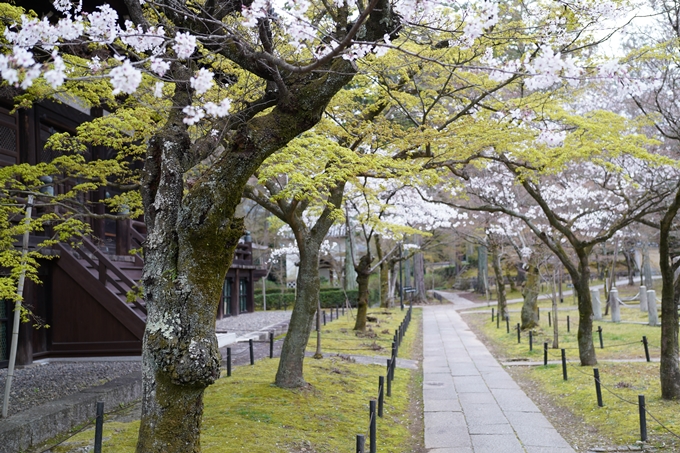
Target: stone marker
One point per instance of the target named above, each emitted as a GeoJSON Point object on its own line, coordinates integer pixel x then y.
{"type": "Point", "coordinates": [614, 305]}
{"type": "Point", "coordinates": [651, 308]}
{"type": "Point", "coordinates": [597, 306]}
{"type": "Point", "coordinates": [643, 298]}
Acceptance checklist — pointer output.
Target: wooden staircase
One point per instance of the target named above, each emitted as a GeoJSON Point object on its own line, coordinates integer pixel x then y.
{"type": "Point", "coordinates": [108, 279]}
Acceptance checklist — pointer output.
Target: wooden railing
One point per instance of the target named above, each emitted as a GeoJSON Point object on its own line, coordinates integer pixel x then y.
{"type": "Point", "coordinates": [89, 252]}
{"type": "Point", "coordinates": [243, 254]}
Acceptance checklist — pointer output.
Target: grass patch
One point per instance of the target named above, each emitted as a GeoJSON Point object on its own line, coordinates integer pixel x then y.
{"type": "Point", "coordinates": [247, 413]}
{"type": "Point", "coordinates": [618, 420]}
{"type": "Point", "coordinates": [621, 340]}
{"type": "Point", "coordinates": [339, 337]}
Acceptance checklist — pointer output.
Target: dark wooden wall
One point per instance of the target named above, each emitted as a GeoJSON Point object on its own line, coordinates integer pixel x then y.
{"type": "Point", "coordinates": [81, 326]}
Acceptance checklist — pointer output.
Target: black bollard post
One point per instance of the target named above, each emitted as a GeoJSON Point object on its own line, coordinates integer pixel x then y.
{"type": "Point", "coordinates": [507, 323]}
{"type": "Point", "coordinates": [99, 427]}
{"type": "Point", "coordinates": [498, 321]}
{"type": "Point", "coordinates": [252, 354]}
{"type": "Point", "coordinates": [568, 324]}
{"type": "Point", "coordinates": [545, 353]}
{"type": "Point", "coordinates": [361, 441]}
{"type": "Point", "coordinates": [599, 331]}
{"type": "Point", "coordinates": [389, 380]}
{"type": "Point", "coordinates": [371, 410]}
{"type": "Point", "coordinates": [324, 317]}
{"type": "Point", "coordinates": [598, 389]}
{"type": "Point", "coordinates": [549, 319]}
{"type": "Point", "coordinates": [519, 336]}
{"type": "Point", "coordinates": [228, 362]}
{"type": "Point", "coordinates": [381, 394]}
{"type": "Point", "coordinates": [393, 364]}
{"type": "Point", "coordinates": [643, 418]}
{"type": "Point", "coordinates": [644, 342]}
{"type": "Point", "coordinates": [531, 340]}
{"type": "Point", "coordinates": [271, 345]}
{"type": "Point", "coordinates": [492, 314]}
{"type": "Point", "coordinates": [564, 365]}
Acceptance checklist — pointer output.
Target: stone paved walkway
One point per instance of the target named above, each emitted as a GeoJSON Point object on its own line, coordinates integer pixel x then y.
{"type": "Point", "coordinates": [471, 403]}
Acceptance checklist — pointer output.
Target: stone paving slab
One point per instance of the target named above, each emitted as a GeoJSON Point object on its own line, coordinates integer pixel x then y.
{"type": "Point", "coordinates": [471, 404]}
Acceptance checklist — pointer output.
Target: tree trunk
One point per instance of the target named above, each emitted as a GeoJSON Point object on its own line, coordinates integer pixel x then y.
{"type": "Point", "coordinates": [384, 285]}
{"type": "Point", "coordinates": [482, 269]}
{"type": "Point", "coordinates": [511, 281]}
{"type": "Point", "coordinates": [188, 251]}
{"type": "Point", "coordinates": [630, 266]}
{"type": "Point", "coordinates": [581, 281]}
{"type": "Point", "coordinates": [363, 275]}
{"type": "Point", "coordinates": [192, 235]}
{"type": "Point", "coordinates": [530, 294]}
{"type": "Point", "coordinates": [500, 283]}
{"type": "Point", "coordinates": [669, 371]}
{"type": "Point", "coordinates": [384, 275]}
{"type": "Point", "coordinates": [393, 275]}
{"type": "Point", "coordinates": [290, 371]}
{"type": "Point", "coordinates": [647, 268]}
{"type": "Point", "coordinates": [419, 273]}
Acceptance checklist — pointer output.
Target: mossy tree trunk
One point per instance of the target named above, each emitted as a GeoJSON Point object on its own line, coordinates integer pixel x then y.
{"type": "Point", "coordinates": [290, 371]}
{"type": "Point", "coordinates": [530, 295]}
{"type": "Point", "coordinates": [384, 275]}
{"type": "Point", "coordinates": [669, 370]}
{"type": "Point", "coordinates": [502, 307]}
{"type": "Point", "coordinates": [581, 279]}
{"type": "Point", "coordinates": [482, 269]}
{"type": "Point", "coordinates": [363, 270]}
{"type": "Point", "coordinates": [192, 234]}
{"type": "Point", "coordinates": [419, 272]}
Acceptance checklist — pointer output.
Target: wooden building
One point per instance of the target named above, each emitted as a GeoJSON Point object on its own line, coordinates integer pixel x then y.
{"type": "Point", "coordinates": [83, 297]}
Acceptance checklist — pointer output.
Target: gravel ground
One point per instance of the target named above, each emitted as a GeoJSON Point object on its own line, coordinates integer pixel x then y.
{"type": "Point", "coordinates": [43, 382]}
{"type": "Point", "coordinates": [251, 322]}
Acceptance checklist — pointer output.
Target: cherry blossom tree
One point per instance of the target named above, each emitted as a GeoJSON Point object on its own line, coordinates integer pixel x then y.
{"type": "Point", "coordinates": [651, 70]}
{"type": "Point", "coordinates": [235, 82]}
{"type": "Point", "coordinates": [239, 80]}
{"type": "Point", "coordinates": [572, 211]}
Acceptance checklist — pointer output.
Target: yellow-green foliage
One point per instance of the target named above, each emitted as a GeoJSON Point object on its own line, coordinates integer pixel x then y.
{"type": "Point", "coordinates": [246, 412]}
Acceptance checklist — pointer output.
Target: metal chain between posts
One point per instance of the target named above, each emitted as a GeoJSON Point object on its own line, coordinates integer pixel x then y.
{"type": "Point", "coordinates": [374, 411]}
{"type": "Point", "coordinates": [633, 403]}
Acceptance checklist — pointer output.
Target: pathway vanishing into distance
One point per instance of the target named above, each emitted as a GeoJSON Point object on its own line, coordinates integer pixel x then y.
{"type": "Point", "coordinates": [471, 403]}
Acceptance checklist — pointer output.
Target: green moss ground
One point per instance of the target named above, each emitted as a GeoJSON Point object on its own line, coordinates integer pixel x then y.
{"type": "Point", "coordinates": [246, 412]}
{"type": "Point", "coordinates": [339, 337]}
{"type": "Point", "coordinates": [618, 420]}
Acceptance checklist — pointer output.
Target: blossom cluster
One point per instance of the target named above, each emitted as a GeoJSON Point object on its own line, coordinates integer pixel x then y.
{"type": "Point", "coordinates": [101, 26]}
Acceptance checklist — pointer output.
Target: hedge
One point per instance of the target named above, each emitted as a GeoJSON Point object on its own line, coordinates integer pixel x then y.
{"type": "Point", "coordinates": [329, 297]}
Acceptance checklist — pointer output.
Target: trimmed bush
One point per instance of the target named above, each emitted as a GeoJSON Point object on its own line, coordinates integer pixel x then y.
{"type": "Point", "coordinates": [330, 298]}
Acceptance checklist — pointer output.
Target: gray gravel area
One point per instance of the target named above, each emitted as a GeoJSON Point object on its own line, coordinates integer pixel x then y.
{"type": "Point", "coordinates": [53, 379]}
{"type": "Point", "coordinates": [43, 382]}
{"type": "Point", "coordinates": [251, 322]}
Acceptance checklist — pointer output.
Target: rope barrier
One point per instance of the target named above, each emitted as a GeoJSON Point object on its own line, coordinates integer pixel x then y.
{"type": "Point", "coordinates": [608, 389]}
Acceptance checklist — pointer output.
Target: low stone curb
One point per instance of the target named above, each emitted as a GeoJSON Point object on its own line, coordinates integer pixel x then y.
{"type": "Point", "coordinates": [34, 426]}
